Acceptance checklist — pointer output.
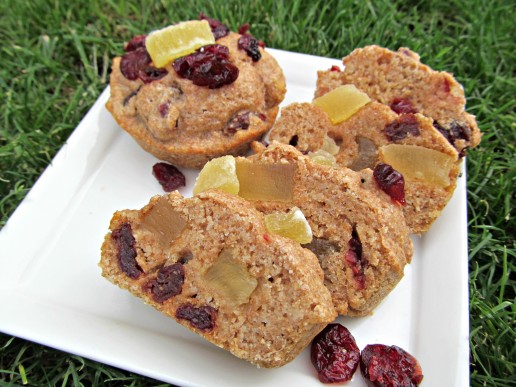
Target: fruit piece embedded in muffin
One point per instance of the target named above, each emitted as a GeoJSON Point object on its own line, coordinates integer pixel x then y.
{"type": "Point", "coordinates": [375, 135]}
{"type": "Point", "coordinates": [209, 263]}
{"type": "Point", "coordinates": [399, 80]}
{"type": "Point", "coordinates": [218, 96]}
{"type": "Point", "coordinates": [353, 226]}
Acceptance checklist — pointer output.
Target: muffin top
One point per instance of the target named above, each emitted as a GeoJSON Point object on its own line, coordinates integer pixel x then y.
{"type": "Point", "coordinates": [211, 102]}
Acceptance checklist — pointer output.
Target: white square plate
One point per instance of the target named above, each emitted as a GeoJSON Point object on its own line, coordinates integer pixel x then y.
{"type": "Point", "coordinates": [52, 291]}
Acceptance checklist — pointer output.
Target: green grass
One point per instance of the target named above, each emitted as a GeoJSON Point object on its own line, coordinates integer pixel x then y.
{"type": "Point", "coordinates": [54, 62]}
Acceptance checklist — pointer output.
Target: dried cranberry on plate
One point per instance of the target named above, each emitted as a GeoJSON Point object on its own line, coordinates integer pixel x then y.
{"type": "Point", "coordinates": [389, 366]}
{"type": "Point", "coordinates": [168, 176]}
{"type": "Point", "coordinates": [335, 354]}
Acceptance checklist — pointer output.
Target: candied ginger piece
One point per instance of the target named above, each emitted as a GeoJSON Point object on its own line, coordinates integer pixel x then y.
{"type": "Point", "coordinates": [342, 102]}
{"type": "Point", "coordinates": [230, 278]}
{"type": "Point", "coordinates": [330, 146]}
{"type": "Point", "coordinates": [322, 157]}
{"type": "Point", "coordinates": [419, 163]}
{"type": "Point", "coordinates": [164, 221]}
{"type": "Point", "coordinates": [218, 173]}
{"type": "Point", "coordinates": [292, 225]}
{"type": "Point", "coordinates": [178, 40]}
{"type": "Point", "coordinates": [265, 181]}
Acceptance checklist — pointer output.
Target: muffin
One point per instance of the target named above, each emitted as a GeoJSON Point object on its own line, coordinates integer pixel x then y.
{"type": "Point", "coordinates": [212, 102]}
{"type": "Point", "coordinates": [374, 135]}
{"type": "Point", "coordinates": [358, 233]}
{"type": "Point", "coordinates": [209, 263]}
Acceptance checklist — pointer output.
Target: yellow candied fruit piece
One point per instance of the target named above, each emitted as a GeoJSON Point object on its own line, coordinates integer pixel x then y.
{"type": "Point", "coordinates": [178, 40]}
{"type": "Point", "coordinates": [292, 225]}
{"type": "Point", "coordinates": [322, 157]}
{"type": "Point", "coordinates": [265, 181]}
{"type": "Point", "coordinates": [163, 221]}
{"type": "Point", "coordinates": [419, 163]}
{"type": "Point", "coordinates": [230, 278]}
{"type": "Point", "coordinates": [330, 146]}
{"type": "Point", "coordinates": [219, 173]}
{"type": "Point", "coordinates": [342, 102]}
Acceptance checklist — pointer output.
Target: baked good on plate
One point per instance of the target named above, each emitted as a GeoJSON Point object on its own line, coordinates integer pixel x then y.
{"type": "Point", "coordinates": [374, 135]}
{"type": "Point", "coordinates": [357, 232]}
{"type": "Point", "coordinates": [399, 80]}
{"type": "Point", "coordinates": [209, 102]}
{"type": "Point", "coordinates": [209, 263]}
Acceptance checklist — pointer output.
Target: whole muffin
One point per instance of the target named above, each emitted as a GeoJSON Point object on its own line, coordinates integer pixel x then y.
{"type": "Point", "coordinates": [186, 121]}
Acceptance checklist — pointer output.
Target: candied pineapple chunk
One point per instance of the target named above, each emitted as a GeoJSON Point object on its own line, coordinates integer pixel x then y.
{"type": "Point", "coordinates": [330, 146]}
{"type": "Point", "coordinates": [419, 163]}
{"type": "Point", "coordinates": [342, 102]}
{"type": "Point", "coordinates": [230, 278]}
{"type": "Point", "coordinates": [322, 157]}
{"type": "Point", "coordinates": [367, 154]}
{"type": "Point", "coordinates": [291, 225]}
{"type": "Point", "coordinates": [164, 221]}
{"type": "Point", "coordinates": [178, 40]}
{"type": "Point", "coordinates": [218, 173]}
{"type": "Point", "coordinates": [265, 181]}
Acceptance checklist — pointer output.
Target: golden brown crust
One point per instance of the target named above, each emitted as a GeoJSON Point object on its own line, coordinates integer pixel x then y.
{"type": "Point", "coordinates": [193, 128]}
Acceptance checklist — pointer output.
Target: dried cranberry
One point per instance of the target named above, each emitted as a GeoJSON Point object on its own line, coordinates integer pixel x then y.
{"type": "Point", "coordinates": [168, 176]}
{"type": "Point", "coordinates": [202, 318]}
{"type": "Point", "coordinates": [209, 66]}
{"type": "Point", "coordinates": [402, 106]}
{"type": "Point", "coordinates": [455, 131]}
{"type": "Point", "coordinates": [238, 122]}
{"type": "Point", "coordinates": [244, 28]}
{"type": "Point", "coordinates": [218, 29]}
{"type": "Point", "coordinates": [136, 42]}
{"type": "Point", "coordinates": [168, 283]}
{"type": "Point", "coordinates": [134, 61]}
{"type": "Point", "coordinates": [219, 50]}
{"type": "Point", "coordinates": [163, 109]}
{"type": "Point", "coordinates": [250, 45]}
{"type": "Point", "coordinates": [392, 366]}
{"type": "Point", "coordinates": [126, 252]}
{"type": "Point", "coordinates": [151, 73]}
{"type": "Point", "coordinates": [335, 354]}
{"type": "Point", "coordinates": [391, 182]}
{"type": "Point", "coordinates": [355, 259]}
{"type": "Point", "coordinates": [335, 68]}
{"type": "Point", "coordinates": [401, 127]}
